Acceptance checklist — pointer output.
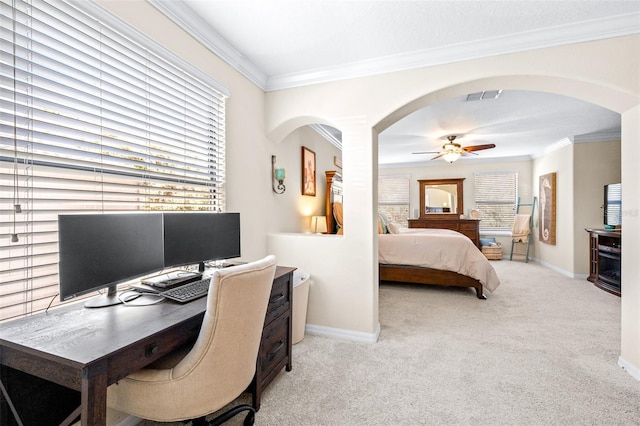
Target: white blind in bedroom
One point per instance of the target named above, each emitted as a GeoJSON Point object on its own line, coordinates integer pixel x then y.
{"type": "Point", "coordinates": [93, 120]}
{"type": "Point", "coordinates": [393, 198]}
{"type": "Point", "coordinates": [496, 194]}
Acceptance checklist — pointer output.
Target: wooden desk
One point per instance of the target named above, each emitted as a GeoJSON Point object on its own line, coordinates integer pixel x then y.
{"type": "Point", "coordinates": [89, 349]}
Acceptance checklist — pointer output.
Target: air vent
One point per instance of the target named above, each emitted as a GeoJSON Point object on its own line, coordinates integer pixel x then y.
{"type": "Point", "coordinates": [488, 94]}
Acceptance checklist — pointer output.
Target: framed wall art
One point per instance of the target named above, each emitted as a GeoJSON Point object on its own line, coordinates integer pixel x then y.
{"type": "Point", "coordinates": [547, 215]}
{"type": "Point", "coordinates": [308, 172]}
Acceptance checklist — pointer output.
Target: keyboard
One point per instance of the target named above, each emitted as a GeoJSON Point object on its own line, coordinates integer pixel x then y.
{"type": "Point", "coordinates": [188, 292]}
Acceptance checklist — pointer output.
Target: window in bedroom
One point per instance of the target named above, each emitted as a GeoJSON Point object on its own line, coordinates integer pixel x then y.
{"type": "Point", "coordinates": [393, 198]}
{"type": "Point", "coordinates": [496, 194]}
{"type": "Point", "coordinates": [94, 117]}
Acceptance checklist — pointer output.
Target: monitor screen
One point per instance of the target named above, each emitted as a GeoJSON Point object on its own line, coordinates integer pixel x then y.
{"type": "Point", "coordinates": [194, 237]}
{"type": "Point", "coordinates": [103, 250]}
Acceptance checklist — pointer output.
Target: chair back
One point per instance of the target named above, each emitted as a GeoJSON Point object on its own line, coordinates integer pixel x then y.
{"type": "Point", "coordinates": [224, 355]}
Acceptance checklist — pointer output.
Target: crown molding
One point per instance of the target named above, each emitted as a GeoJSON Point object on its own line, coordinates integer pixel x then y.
{"type": "Point", "coordinates": [327, 135]}
{"type": "Point", "coordinates": [596, 29]}
{"type": "Point", "coordinates": [598, 137]}
{"type": "Point", "coordinates": [197, 28]}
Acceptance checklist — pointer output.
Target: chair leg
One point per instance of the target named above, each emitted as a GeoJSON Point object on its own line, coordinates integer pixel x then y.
{"type": "Point", "coordinates": [248, 421]}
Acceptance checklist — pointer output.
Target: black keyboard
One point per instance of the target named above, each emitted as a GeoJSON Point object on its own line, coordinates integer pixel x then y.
{"type": "Point", "coordinates": [188, 292]}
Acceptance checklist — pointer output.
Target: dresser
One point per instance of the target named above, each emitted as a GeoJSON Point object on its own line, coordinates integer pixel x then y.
{"type": "Point", "coordinates": [468, 227]}
{"type": "Point", "coordinates": [276, 344]}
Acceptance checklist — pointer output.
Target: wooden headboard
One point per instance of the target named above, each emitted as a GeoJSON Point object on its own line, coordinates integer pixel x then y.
{"type": "Point", "coordinates": [334, 195]}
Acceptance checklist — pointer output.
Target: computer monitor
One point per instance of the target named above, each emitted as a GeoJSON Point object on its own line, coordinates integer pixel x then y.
{"type": "Point", "coordinates": [199, 237]}
{"type": "Point", "coordinates": [102, 250]}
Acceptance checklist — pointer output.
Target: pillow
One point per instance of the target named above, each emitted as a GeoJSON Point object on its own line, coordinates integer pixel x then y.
{"type": "Point", "coordinates": [380, 228]}
{"type": "Point", "coordinates": [385, 223]}
{"type": "Point", "coordinates": [393, 228]}
{"type": "Point", "coordinates": [487, 241]}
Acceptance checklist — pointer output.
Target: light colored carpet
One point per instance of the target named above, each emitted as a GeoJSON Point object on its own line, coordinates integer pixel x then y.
{"type": "Point", "coordinates": [541, 350]}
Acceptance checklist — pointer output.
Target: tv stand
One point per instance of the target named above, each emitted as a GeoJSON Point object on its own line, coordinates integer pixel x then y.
{"type": "Point", "coordinates": [605, 252]}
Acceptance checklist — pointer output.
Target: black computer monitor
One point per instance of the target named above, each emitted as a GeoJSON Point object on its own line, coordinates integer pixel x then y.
{"type": "Point", "coordinates": [199, 237]}
{"type": "Point", "coordinates": [102, 250]}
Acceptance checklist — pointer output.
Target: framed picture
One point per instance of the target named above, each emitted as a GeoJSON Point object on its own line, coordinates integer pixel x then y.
{"type": "Point", "coordinates": [308, 172]}
{"type": "Point", "coordinates": [547, 215]}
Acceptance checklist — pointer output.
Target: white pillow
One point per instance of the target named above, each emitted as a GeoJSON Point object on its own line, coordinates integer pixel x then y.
{"type": "Point", "coordinates": [393, 228]}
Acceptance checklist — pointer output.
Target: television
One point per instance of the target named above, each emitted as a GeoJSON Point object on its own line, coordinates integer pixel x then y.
{"type": "Point", "coordinates": [613, 205]}
{"type": "Point", "coordinates": [200, 237]}
{"type": "Point", "coordinates": [100, 251]}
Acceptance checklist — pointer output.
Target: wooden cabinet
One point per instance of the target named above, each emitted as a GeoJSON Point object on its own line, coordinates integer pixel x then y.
{"type": "Point", "coordinates": [276, 343]}
{"type": "Point", "coordinates": [605, 250]}
{"type": "Point", "coordinates": [468, 227]}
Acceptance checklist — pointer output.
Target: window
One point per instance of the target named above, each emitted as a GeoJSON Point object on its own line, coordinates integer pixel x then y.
{"type": "Point", "coordinates": [393, 198]}
{"type": "Point", "coordinates": [496, 194]}
{"type": "Point", "coordinates": [93, 121]}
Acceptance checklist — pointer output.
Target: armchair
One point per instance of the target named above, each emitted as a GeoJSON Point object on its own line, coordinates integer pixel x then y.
{"type": "Point", "coordinates": [197, 381]}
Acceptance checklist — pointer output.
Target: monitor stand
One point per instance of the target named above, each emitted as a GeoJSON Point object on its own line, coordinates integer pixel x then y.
{"type": "Point", "coordinates": [110, 298]}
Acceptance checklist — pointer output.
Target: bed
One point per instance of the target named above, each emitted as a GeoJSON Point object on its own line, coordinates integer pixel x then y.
{"type": "Point", "coordinates": [434, 256]}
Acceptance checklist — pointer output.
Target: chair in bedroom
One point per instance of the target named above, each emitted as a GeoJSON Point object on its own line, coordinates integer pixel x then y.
{"type": "Point", "coordinates": [522, 229]}
{"type": "Point", "coordinates": [191, 383]}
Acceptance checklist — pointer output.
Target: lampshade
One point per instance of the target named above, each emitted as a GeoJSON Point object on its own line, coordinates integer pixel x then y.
{"type": "Point", "coordinates": [451, 156]}
{"type": "Point", "coordinates": [318, 224]}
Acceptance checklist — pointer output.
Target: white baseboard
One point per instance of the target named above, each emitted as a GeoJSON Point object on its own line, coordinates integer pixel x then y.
{"type": "Point", "coordinates": [354, 336]}
{"type": "Point", "coordinates": [560, 270]}
{"type": "Point", "coordinates": [629, 368]}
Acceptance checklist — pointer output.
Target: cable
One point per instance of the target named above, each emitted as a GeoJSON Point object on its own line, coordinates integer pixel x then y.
{"type": "Point", "coordinates": [128, 296]}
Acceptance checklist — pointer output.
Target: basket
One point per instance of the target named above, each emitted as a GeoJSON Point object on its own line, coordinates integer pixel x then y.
{"type": "Point", "coordinates": [492, 252]}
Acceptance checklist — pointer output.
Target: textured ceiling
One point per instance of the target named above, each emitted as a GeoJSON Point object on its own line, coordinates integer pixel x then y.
{"type": "Point", "coordinates": [287, 43]}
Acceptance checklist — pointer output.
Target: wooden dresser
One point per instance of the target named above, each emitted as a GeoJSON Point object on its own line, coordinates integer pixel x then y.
{"type": "Point", "coordinates": [468, 227]}
{"type": "Point", "coordinates": [276, 344]}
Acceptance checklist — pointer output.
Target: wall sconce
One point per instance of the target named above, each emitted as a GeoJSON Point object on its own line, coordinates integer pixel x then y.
{"type": "Point", "coordinates": [278, 175]}
{"type": "Point", "coordinates": [318, 224]}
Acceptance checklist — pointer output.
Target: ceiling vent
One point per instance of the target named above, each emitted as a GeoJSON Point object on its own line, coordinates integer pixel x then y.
{"type": "Point", "coordinates": [488, 94]}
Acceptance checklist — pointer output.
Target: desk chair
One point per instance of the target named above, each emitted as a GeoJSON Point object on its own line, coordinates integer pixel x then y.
{"type": "Point", "coordinates": [191, 383]}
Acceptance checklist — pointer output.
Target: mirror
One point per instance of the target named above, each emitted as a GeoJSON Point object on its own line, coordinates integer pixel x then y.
{"type": "Point", "coordinates": [440, 198]}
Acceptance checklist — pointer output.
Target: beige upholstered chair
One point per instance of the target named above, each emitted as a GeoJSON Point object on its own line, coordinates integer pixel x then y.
{"type": "Point", "coordinates": [220, 365]}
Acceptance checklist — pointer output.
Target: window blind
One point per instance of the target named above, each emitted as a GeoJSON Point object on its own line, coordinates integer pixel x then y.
{"type": "Point", "coordinates": [393, 198]}
{"type": "Point", "coordinates": [93, 119]}
{"type": "Point", "coordinates": [496, 194]}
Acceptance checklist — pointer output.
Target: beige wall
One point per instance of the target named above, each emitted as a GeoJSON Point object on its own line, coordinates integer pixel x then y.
{"type": "Point", "coordinates": [293, 210]}
{"type": "Point", "coordinates": [345, 268]}
{"type": "Point", "coordinates": [596, 165]}
{"type": "Point", "coordinates": [378, 101]}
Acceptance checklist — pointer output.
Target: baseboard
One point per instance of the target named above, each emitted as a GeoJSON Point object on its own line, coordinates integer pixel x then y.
{"type": "Point", "coordinates": [354, 336]}
{"type": "Point", "coordinates": [629, 368]}
{"type": "Point", "coordinates": [559, 270]}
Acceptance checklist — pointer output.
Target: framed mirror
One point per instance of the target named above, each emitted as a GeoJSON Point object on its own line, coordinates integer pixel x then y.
{"type": "Point", "coordinates": [441, 198]}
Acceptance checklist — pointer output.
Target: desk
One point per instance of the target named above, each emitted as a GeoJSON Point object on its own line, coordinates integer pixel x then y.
{"type": "Point", "coordinates": [89, 349]}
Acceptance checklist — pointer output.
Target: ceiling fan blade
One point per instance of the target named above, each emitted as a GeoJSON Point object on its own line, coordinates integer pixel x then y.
{"type": "Point", "coordinates": [478, 147]}
{"type": "Point", "coordinates": [438, 156]}
{"type": "Point", "coordinates": [467, 153]}
{"type": "Point", "coordinates": [426, 152]}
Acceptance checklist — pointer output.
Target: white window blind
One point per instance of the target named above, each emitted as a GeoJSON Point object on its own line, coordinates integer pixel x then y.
{"type": "Point", "coordinates": [496, 194]}
{"type": "Point", "coordinates": [393, 198]}
{"type": "Point", "coordinates": [93, 120]}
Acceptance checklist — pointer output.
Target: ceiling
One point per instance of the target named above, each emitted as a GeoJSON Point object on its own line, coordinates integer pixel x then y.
{"type": "Point", "coordinates": [288, 43]}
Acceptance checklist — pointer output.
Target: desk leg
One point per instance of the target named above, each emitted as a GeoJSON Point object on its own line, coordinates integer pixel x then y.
{"type": "Point", "coordinates": [94, 395]}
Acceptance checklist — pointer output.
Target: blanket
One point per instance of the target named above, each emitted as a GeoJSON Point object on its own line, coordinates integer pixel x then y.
{"type": "Point", "coordinates": [437, 249]}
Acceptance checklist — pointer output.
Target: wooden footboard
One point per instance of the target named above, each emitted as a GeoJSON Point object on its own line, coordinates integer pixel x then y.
{"type": "Point", "coordinates": [418, 275]}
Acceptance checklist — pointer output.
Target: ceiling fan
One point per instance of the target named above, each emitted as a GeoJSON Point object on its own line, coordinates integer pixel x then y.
{"type": "Point", "coordinates": [451, 150]}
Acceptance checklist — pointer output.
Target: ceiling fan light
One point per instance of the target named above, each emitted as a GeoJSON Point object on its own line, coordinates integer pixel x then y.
{"type": "Point", "coordinates": [451, 156]}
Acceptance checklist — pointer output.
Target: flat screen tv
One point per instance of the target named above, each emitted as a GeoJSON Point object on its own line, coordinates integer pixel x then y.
{"type": "Point", "coordinates": [99, 251]}
{"type": "Point", "coordinates": [200, 237]}
{"type": "Point", "coordinates": [613, 205]}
